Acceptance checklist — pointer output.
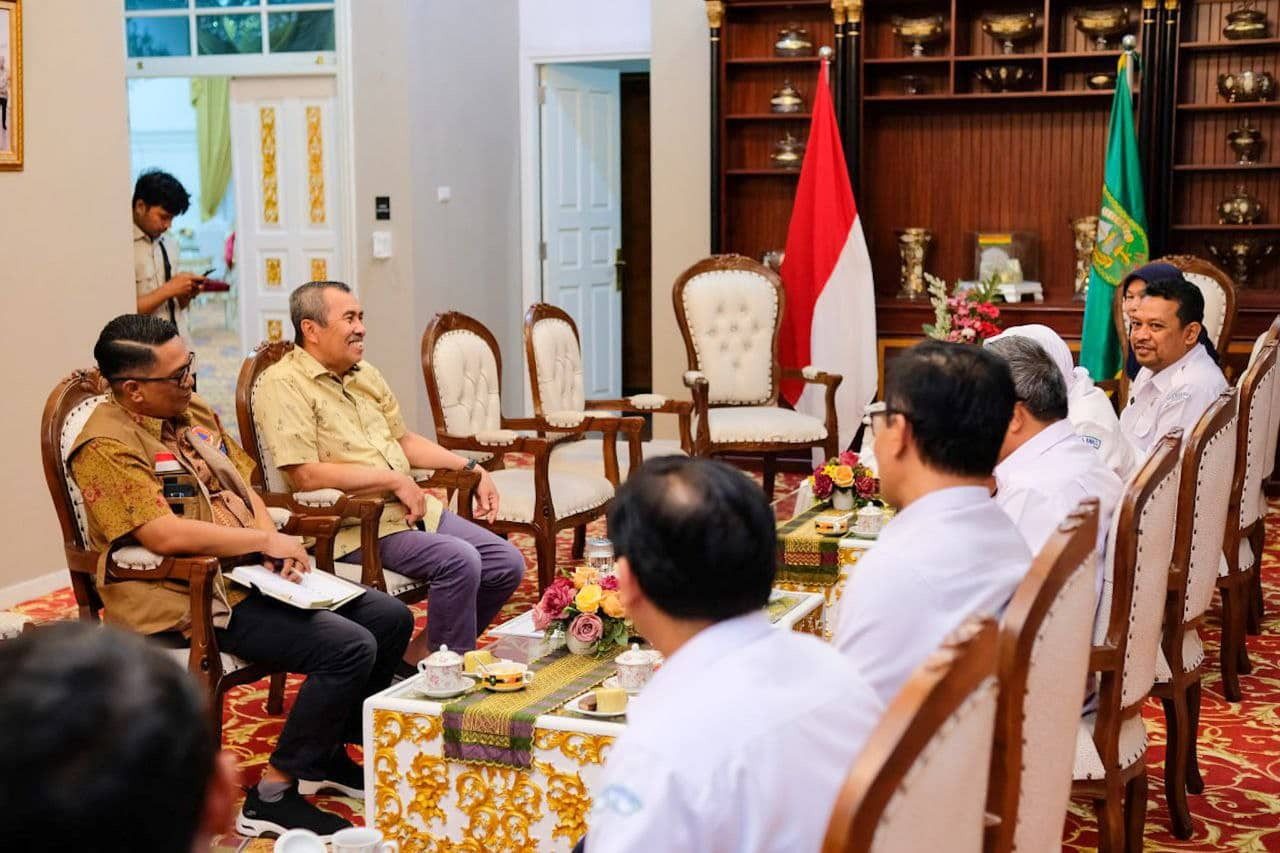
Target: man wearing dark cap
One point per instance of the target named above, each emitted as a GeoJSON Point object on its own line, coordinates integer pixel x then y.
{"type": "Point", "coordinates": [1178, 378]}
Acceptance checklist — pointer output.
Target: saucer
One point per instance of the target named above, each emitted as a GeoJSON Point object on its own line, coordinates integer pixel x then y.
{"type": "Point", "coordinates": [612, 682]}
{"type": "Point", "coordinates": [465, 684]}
{"type": "Point", "coordinates": [575, 706]}
{"type": "Point", "coordinates": [857, 535]}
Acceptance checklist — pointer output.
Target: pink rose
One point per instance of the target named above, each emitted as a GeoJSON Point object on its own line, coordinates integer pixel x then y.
{"type": "Point", "coordinates": [609, 583]}
{"type": "Point", "coordinates": [849, 458]}
{"type": "Point", "coordinates": [557, 597]}
{"type": "Point", "coordinates": [822, 486]}
{"type": "Point", "coordinates": [587, 628]}
{"type": "Point", "coordinates": [541, 618]}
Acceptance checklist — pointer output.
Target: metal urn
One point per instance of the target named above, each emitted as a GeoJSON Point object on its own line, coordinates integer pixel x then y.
{"type": "Point", "coordinates": [1246, 142]}
{"type": "Point", "coordinates": [1244, 86]}
{"type": "Point", "coordinates": [1102, 24]}
{"type": "Point", "coordinates": [1009, 28]}
{"type": "Point", "coordinates": [788, 152]}
{"type": "Point", "coordinates": [1246, 22]}
{"type": "Point", "coordinates": [913, 245]}
{"type": "Point", "coordinates": [787, 99]}
{"type": "Point", "coordinates": [1084, 231]}
{"type": "Point", "coordinates": [917, 32]}
{"type": "Point", "coordinates": [1240, 254]}
{"type": "Point", "coordinates": [1240, 208]}
{"type": "Point", "coordinates": [793, 40]}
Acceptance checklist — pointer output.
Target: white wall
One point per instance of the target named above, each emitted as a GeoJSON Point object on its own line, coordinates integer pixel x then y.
{"type": "Point", "coordinates": [65, 255]}
{"type": "Point", "coordinates": [582, 28]}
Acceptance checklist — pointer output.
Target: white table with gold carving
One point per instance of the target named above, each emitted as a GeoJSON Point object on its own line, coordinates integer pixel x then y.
{"type": "Point", "coordinates": [428, 802]}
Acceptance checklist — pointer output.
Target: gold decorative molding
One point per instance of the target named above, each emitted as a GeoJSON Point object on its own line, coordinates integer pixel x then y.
{"type": "Point", "coordinates": [853, 11]}
{"type": "Point", "coordinates": [272, 275]}
{"type": "Point", "coordinates": [1171, 5]}
{"type": "Point", "coordinates": [576, 746]}
{"type": "Point", "coordinates": [11, 160]}
{"type": "Point", "coordinates": [715, 13]}
{"type": "Point", "coordinates": [270, 181]}
{"type": "Point", "coordinates": [319, 269]}
{"type": "Point", "coordinates": [275, 330]}
{"type": "Point", "coordinates": [315, 165]}
{"type": "Point", "coordinates": [568, 799]}
{"type": "Point", "coordinates": [838, 14]}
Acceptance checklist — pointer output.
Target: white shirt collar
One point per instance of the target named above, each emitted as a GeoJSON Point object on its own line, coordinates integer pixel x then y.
{"type": "Point", "coordinates": [942, 500]}
{"type": "Point", "coordinates": [1035, 446]}
{"type": "Point", "coordinates": [1162, 380]}
{"type": "Point", "coordinates": [697, 655]}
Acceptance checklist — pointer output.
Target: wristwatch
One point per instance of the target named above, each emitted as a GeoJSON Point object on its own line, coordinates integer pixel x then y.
{"type": "Point", "coordinates": [471, 463]}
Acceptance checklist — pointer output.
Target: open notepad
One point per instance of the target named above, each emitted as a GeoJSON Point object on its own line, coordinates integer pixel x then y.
{"type": "Point", "coordinates": [316, 591]}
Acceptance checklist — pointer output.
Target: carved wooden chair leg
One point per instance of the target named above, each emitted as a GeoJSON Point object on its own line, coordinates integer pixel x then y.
{"type": "Point", "coordinates": [1135, 812]}
{"type": "Point", "coordinates": [1229, 651]}
{"type": "Point", "coordinates": [1180, 743]}
{"type": "Point", "coordinates": [1195, 784]}
{"type": "Point", "coordinates": [275, 694]}
{"type": "Point", "coordinates": [579, 541]}
{"type": "Point", "coordinates": [769, 469]}
{"type": "Point", "coordinates": [545, 546]}
{"type": "Point", "coordinates": [1110, 814]}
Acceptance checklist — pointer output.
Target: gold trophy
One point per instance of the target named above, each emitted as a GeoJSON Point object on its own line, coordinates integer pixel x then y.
{"type": "Point", "coordinates": [1101, 24]}
{"type": "Point", "coordinates": [1246, 142]}
{"type": "Point", "coordinates": [1085, 231]}
{"type": "Point", "coordinates": [917, 32]}
{"type": "Point", "coordinates": [1010, 27]}
{"type": "Point", "coordinates": [913, 245]}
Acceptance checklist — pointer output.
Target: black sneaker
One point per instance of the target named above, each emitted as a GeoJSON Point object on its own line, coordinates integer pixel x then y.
{"type": "Point", "coordinates": [342, 775]}
{"type": "Point", "coordinates": [289, 812]}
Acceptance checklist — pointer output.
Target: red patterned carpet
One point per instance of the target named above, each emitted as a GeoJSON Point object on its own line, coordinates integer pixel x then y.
{"type": "Point", "coordinates": [1239, 743]}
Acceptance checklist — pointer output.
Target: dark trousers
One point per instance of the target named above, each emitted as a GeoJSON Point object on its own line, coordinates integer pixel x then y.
{"type": "Point", "coordinates": [346, 654]}
{"type": "Point", "coordinates": [471, 573]}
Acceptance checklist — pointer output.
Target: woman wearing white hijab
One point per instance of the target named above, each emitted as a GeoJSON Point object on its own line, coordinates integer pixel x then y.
{"type": "Point", "coordinates": [1088, 408]}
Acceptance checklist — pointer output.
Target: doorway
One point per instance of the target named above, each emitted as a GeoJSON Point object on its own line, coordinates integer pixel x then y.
{"type": "Point", "coordinates": [595, 224]}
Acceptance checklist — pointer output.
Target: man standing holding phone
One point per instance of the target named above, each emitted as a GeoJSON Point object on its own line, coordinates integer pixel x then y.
{"type": "Point", "coordinates": [157, 198]}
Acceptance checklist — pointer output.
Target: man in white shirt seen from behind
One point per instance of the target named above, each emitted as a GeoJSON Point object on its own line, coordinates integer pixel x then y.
{"type": "Point", "coordinates": [1045, 469]}
{"type": "Point", "coordinates": [1178, 379]}
{"type": "Point", "coordinates": [950, 551]}
{"type": "Point", "coordinates": [743, 739]}
{"type": "Point", "coordinates": [1089, 408]}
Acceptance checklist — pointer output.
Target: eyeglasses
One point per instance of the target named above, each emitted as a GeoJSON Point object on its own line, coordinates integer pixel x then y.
{"type": "Point", "coordinates": [879, 410]}
{"type": "Point", "coordinates": [179, 378]}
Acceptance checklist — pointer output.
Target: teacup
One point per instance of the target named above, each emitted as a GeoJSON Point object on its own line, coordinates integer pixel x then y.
{"type": "Point", "coordinates": [635, 668]}
{"type": "Point", "coordinates": [869, 521]}
{"type": "Point", "coordinates": [362, 839]}
{"type": "Point", "coordinates": [299, 841]}
{"type": "Point", "coordinates": [441, 670]}
{"type": "Point", "coordinates": [506, 675]}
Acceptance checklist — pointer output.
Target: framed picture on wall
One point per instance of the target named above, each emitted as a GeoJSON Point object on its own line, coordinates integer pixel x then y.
{"type": "Point", "coordinates": [10, 84]}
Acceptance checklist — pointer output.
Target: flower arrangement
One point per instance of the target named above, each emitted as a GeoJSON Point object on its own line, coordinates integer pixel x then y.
{"type": "Point", "coordinates": [846, 482]}
{"type": "Point", "coordinates": [967, 317]}
{"type": "Point", "coordinates": [585, 609]}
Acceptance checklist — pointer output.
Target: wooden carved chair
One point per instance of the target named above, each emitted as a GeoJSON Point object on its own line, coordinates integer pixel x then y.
{"type": "Point", "coordinates": [554, 354]}
{"type": "Point", "coordinates": [1242, 564]}
{"type": "Point", "coordinates": [1257, 534]}
{"type": "Point", "coordinates": [1043, 665]}
{"type": "Point", "coordinates": [366, 511]}
{"type": "Point", "coordinates": [1111, 746]}
{"type": "Point", "coordinates": [904, 792]}
{"type": "Point", "coordinates": [1208, 464]}
{"type": "Point", "coordinates": [65, 413]}
{"type": "Point", "coordinates": [730, 313]}
{"type": "Point", "coordinates": [462, 368]}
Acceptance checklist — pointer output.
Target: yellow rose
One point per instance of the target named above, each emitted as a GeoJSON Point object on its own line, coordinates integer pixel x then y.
{"type": "Point", "coordinates": [842, 476]}
{"type": "Point", "coordinates": [612, 605]}
{"type": "Point", "coordinates": [588, 598]}
{"type": "Point", "coordinates": [584, 575]}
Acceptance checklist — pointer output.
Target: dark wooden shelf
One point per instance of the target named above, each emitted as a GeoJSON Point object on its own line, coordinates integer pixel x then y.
{"type": "Point", "coordinates": [768, 4]}
{"type": "Point", "coordinates": [770, 117]}
{"type": "Point", "coordinates": [791, 173]}
{"type": "Point", "coordinates": [999, 58]}
{"type": "Point", "coordinates": [774, 60]}
{"type": "Point", "coordinates": [1217, 227]}
{"type": "Point", "coordinates": [907, 60]}
{"type": "Point", "coordinates": [1085, 54]}
{"type": "Point", "coordinates": [1209, 46]}
{"type": "Point", "coordinates": [1226, 167]}
{"type": "Point", "coordinates": [993, 96]}
{"type": "Point", "coordinates": [1226, 106]}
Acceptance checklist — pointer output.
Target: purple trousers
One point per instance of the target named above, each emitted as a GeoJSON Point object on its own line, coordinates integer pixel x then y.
{"type": "Point", "coordinates": [471, 573]}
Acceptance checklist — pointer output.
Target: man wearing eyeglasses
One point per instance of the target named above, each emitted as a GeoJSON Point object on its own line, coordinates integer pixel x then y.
{"type": "Point", "coordinates": [950, 551]}
{"type": "Point", "coordinates": [156, 468]}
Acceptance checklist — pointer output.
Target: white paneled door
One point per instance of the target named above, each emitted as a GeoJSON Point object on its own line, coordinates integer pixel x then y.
{"type": "Point", "coordinates": [288, 203]}
{"type": "Point", "coordinates": [582, 213]}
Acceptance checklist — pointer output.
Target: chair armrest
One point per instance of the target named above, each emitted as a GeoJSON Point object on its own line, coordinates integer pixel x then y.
{"type": "Point", "coordinates": [135, 563]}
{"type": "Point", "coordinates": [464, 482]}
{"type": "Point", "coordinates": [518, 444]}
{"type": "Point", "coordinates": [628, 404]}
{"type": "Point", "coordinates": [1103, 658]}
{"type": "Point", "coordinates": [813, 376]}
{"type": "Point", "coordinates": [696, 382]}
{"type": "Point", "coordinates": [279, 516]}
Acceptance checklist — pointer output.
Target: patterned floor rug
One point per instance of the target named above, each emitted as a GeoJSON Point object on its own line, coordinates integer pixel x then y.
{"type": "Point", "coordinates": [1239, 742]}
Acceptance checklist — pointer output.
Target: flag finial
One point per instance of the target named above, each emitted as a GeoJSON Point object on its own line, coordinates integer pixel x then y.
{"type": "Point", "coordinates": [825, 52]}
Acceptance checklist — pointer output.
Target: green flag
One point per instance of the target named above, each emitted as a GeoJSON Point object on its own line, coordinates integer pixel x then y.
{"type": "Point", "coordinates": [1122, 232]}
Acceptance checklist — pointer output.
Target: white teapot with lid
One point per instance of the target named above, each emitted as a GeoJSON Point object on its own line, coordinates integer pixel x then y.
{"type": "Point", "coordinates": [635, 668]}
{"type": "Point", "coordinates": [441, 670]}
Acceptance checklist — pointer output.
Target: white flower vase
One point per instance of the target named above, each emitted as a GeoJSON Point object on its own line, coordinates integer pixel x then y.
{"type": "Point", "coordinates": [578, 647]}
{"type": "Point", "coordinates": [842, 499]}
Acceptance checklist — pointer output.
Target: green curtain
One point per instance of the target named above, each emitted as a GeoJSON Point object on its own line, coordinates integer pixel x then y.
{"type": "Point", "coordinates": [211, 98]}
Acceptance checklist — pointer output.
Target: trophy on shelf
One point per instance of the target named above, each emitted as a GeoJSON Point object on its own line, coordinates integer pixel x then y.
{"type": "Point", "coordinates": [917, 32]}
{"type": "Point", "coordinates": [1102, 24]}
{"type": "Point", "coordinates": [1245, 22]}
{"type": "Point", "coordinates": [913, 244]}
{"type": "Point", "coordinates": [1009, 28]}
{"type": "Point", "coordinates": [788, 152]}
{"type": "Point", "coordinates": [1240, 254]}
{"type": "Point", "coordinates": [1243, 86]}
{"type": "Point", "coordinates": [1006, 78]}
{"type": "Point", "coordinates": [1240, 208]}
{"type": "Point", "coordinates": [793, 40]}
{"type": "Point", "coordinates": [1085, 232]}
{"type": "Point", "coordinates": [1246, 142]}
{"type": "Point", "coordinates": [914, 84]}
{"type": "Point", "coordinates": [786, 100]}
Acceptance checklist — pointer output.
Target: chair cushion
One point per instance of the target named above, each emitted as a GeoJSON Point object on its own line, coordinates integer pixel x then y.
{"type": "Point", "coordinates": [1192, 657]}
{"type": "Point", "coordinates": [557, 359]}
{"type": "Point", "coordinates": [764, 424]}
{"type": "Point", "coordinates": [565, 419]}
{"type": "Point", "coordinates": [230, 663]}
{"type": "Point", "coordinates": [71, 428]}
{"type": "Point", "coordinates": [397, 584]}
{"type": "Point", "coordinates": [570, 493]}
{"type": "Point", "coordinates": [586, 456]}
{"type": "Point", "coordinates": [279, 516]}
{"type": "Point", "coordinates": [13, 624]}
{"type": "Point", "coordinates": [732, 315]}
{"type": "Point", "coordinates": [1133, 746]}
{"type": "Point", "coordinates": [318, 497]}
{"type": "Point", "coordinates": [136, 557]}
{"type": "Point", "coordinates": [466, 376]}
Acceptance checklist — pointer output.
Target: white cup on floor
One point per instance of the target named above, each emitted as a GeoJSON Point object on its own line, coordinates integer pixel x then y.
{"type": "Point", "coordinates": [299, 841]}
{"type": "Point", "coordinates": [362, 839]}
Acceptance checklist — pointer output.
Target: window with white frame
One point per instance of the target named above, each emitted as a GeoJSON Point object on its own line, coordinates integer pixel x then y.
{"type": "Point", "coordinates": [200, 28]}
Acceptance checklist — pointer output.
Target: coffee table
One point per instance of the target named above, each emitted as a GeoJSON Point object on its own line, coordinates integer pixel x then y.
{"type": "Point", "coordinates": [425, 801]}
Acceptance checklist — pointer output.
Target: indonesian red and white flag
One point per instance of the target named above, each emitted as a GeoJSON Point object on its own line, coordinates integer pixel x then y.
{"type": "Point", "coordinates": [830, 316]}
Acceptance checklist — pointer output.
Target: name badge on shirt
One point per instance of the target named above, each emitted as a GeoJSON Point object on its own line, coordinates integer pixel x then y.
{"type": "Point", "coordinates": [208, 438]}
{"type": "Point", "coordinates": [1092, 441]}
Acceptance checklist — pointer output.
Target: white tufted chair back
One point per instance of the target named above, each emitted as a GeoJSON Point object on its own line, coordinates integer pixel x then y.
{"type": "Point", "coordinates": [1054, 690]}
{"type": "Point", "coordinates": [558, 362]}
{"type": "Point", "coordinates": [1215, 303]}
{"type": "Point", "coordinates": [1209, 521]}
{"type": "Point", "coordinates": [1257, 421]}
{"type": "Point", "coordinates": [929, 811]}
{"type": "Point", "coordinates": [270, 473]}
{"type": "Point", "coordinates": [733, 317]}
{"type": "Point", "coordinates": [1273, 431]}
{"type": "Point", "coordinates": [71, 427]}
{"type": "Point", "coordinates": [1157, 521]}
{"type": "Point", "coordinates": [466, 376]}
